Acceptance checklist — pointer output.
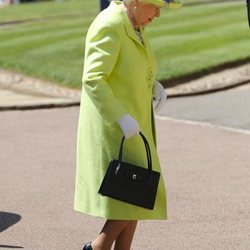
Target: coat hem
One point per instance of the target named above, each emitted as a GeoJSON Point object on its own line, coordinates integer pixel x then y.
{"type": "Point", "coordinates": [110, 217]}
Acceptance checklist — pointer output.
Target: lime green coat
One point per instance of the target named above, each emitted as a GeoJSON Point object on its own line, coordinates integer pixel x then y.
{"type": "Point", "coordinates": [118, 77]}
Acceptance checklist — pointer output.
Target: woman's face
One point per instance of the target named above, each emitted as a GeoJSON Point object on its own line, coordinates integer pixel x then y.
{"type": "Point", "coordinates": [144, 13]}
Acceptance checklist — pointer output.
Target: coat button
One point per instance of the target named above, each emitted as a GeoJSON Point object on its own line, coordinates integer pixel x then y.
{"type": "Point", "coordinates": [149, 78]}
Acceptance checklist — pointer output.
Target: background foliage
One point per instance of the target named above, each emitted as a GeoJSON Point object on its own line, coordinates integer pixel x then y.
{"type": "Point", "coordinates": [46, 39]}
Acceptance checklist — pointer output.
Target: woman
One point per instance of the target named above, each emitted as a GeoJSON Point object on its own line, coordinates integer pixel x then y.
{"type": "Point", "coordinates": [118, 87]}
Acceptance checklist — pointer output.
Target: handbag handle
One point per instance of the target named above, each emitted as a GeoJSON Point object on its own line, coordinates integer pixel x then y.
{"type": "Point", "coordinates": [149, 159]}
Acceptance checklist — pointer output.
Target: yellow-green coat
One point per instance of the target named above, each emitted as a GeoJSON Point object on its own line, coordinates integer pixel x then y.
{"type": "Point", "coordinates": [118, 78]}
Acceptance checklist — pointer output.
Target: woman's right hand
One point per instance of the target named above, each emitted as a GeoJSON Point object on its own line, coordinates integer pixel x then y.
{"type": "Point", "coordinates": [129, 126]}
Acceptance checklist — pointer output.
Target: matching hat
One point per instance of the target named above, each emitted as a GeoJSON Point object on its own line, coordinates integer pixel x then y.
{"type": "Point", "coordinates": [172, 4]}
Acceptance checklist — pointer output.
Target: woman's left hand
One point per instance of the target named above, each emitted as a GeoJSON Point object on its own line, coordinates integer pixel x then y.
{"type": "Point", "coordinates": [159, 95]}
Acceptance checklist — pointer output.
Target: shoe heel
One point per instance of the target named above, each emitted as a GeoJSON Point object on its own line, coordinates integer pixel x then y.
{"type": "Point", "coordinates": [88, 246]}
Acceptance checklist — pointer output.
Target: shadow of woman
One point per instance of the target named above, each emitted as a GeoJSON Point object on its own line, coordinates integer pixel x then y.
{"type": "Point", "coordinates": [7, 246]}
{"type": "Point", "coordinates": [7, 220]}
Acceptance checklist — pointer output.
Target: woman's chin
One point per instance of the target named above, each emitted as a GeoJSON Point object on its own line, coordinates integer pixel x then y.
{"type": "Point", "coordinates": [146, 23]}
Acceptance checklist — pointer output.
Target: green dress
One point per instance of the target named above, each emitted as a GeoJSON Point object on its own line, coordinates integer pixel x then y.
{"type": "Point", "coordinates": [118, 78]}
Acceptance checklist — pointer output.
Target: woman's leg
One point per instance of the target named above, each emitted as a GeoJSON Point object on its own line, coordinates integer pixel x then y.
{"type": "Point", "coordinates": [124, 239]}
{"type": "Point", "coordinates": [109, 233]}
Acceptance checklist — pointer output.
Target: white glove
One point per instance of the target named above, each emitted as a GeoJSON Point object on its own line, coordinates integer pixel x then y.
{"type": "Point", "coordinates": [159, 95]}
{"type": "Point", "coordinates": [129, 126]}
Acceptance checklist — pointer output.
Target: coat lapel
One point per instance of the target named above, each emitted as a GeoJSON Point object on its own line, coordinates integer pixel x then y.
{"type": "Point", "coordinates": [130, 31]}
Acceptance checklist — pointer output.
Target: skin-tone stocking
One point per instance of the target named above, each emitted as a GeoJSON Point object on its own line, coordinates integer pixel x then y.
{"type": "Point", "coordinates": [124, 239]}
{"type": "Point", "coordinates": [110, 231]}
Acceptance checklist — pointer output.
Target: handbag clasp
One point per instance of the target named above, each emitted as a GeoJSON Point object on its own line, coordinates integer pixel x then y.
{"type": "Point", "coordinates": [117, 169]}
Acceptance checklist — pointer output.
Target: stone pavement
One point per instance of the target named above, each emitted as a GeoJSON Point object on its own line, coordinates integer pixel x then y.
{"type": "Point", "coordinates": [21, 92]}
{"type": "Point", "coordinates": [206, 170]}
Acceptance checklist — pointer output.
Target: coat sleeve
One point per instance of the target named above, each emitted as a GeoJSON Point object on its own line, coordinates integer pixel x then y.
{"type": "Point", "coordinates": [101, 53]}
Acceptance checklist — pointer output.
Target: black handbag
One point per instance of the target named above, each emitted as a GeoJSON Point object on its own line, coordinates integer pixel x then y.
{"type": "Point", "coordinates": [130, 183]}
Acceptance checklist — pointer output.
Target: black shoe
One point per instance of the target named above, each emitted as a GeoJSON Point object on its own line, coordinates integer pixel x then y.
{"type": "Point", "coordinates": [88, 246]}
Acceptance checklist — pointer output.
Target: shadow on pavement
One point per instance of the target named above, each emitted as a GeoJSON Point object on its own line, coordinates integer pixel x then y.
{"type": "Point", "coordinates": [7, 220]}
{"type": "Point", "coordinates": [7, 246]}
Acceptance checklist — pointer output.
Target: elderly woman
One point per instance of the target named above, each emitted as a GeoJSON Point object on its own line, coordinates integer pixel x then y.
{"type": "Point", "coordinates": [118, 89]}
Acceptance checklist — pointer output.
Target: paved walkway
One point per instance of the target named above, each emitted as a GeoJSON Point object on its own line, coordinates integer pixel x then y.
{"type": "Point", "coordinates": [206, 170]}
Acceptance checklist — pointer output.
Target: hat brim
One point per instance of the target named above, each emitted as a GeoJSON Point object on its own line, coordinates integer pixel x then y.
{"type": "Point", "coordinates": [164, 4]}
{"type": "Point", "coordinates": [160, 3]}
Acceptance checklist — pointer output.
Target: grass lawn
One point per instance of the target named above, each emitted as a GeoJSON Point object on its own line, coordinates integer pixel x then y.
{"type": "Point", "coordinates": [47, 9]}
{"type": "Point", "coordinates": [185, 41]}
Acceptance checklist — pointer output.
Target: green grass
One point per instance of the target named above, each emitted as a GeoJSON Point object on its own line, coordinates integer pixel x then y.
{"type": "Point", "coordinates": [189, 40]}
{"type": "Point", "coordinates": [47, 9]}
{"type": "Point", "coordinates": [200, 37]}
